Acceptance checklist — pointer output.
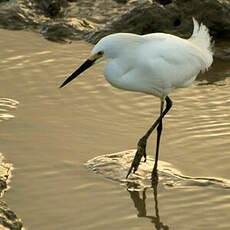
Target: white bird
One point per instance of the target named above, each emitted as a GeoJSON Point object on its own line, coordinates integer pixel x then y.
{"type": "Point", "coordinates": [154, 64]}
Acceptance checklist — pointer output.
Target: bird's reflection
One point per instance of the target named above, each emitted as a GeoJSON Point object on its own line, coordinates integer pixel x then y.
{"type": "Point", "coordinates": [139, 203]}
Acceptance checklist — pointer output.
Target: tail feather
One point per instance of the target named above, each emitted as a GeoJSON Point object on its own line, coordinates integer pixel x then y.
{"type": "Point", "coordinates": [202, 39]}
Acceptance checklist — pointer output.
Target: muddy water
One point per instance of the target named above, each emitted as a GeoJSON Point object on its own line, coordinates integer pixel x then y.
{"type": "Point", "coordinates": [51, 133]}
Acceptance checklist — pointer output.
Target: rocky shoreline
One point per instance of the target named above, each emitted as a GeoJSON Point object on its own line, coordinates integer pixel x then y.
{"type": "Point", "coordinates": [8, 219]}
{"type": "Point", "coordinates": [63, 21]}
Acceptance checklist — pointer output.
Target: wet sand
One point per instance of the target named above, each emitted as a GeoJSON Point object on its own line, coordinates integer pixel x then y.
{"type": "Point", "coordinates": [54, 132]}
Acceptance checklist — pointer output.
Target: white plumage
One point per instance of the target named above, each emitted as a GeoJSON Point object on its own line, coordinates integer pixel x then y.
{"type": "Point", "coordinates": [154, 64]}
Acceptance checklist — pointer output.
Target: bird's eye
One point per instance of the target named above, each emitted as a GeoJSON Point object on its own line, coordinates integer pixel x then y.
{"type": "Point", "coordinates": [100, 53]}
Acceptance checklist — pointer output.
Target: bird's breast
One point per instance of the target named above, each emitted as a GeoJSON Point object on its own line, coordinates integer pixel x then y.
{"type": "Point", "coordinates": [114, 71]}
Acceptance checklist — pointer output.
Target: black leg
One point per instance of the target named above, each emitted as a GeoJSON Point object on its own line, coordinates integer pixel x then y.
{"type": "Point", "coordinates": [159, 130]}
{"type": "Point", "coordinates": [141, 146]}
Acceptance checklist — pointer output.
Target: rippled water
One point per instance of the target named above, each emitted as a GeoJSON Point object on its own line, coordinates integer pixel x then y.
{"type": "Point", "coordinates": [54, 132]}
{"type": "Point", "coordinates": [6, 105]}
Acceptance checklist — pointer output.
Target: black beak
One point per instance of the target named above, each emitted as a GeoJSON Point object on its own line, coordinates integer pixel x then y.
{"type": "Point", "coordinates": [81, 69]}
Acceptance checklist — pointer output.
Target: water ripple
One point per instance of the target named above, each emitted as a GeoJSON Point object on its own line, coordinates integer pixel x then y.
{"type": "Point", "coordinates": [6, 105]}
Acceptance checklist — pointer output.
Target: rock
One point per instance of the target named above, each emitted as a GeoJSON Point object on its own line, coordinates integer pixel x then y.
{"type": "Point", "coordinates": [222, 51]}
{"type": "Point", "coordinates": [104, 17]}
{"type": "Point", "coordinates": [164, 2]}
{"type": "Point", "coordinates": [60, 31]}
{"type": "Point", "coordinates": [51, 16]}
{"type": "Point", "coordinates": [8, 219]}
{"type": "Point", "coordinates": [51, 8]}
{"type": "Point", "coordinates": [121, 1]}
{"type": "Point", "coordinates": [174, 18]}
{"type": "Point", "coordinates": [114, 166]}
{"type": "Point", "coordinates": [14, 15]}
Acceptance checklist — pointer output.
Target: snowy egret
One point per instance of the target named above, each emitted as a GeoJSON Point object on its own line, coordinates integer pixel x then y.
{"type": "Point", "coordinates": [154, 64]}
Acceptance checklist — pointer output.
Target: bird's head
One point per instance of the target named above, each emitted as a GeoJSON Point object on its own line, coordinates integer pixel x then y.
{"type": "Point", "coordinates": [98, 54]}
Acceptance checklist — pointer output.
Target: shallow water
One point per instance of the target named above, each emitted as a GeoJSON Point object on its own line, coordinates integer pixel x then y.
{"type": "Point", "coordinates": [53, 132]}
